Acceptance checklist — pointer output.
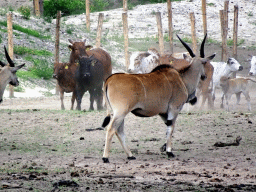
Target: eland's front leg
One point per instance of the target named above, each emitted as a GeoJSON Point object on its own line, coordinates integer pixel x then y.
{"type": "Point", "coordinates": [169, 120]}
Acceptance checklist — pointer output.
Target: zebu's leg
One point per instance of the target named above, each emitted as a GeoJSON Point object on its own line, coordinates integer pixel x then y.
{"type": "Point", "coordinates": [121, 136]}
{"type": "Point", "coordinates": [112, 127]}
{"type": "Point", "coordinates": [238, 97]}
{"type": "Point", "coordinates": [247, 97]}
{"type": "Point", "coordinates": [61, 99]}
{"type": "Point", "coordinates": [73, 100]}
{"type": "Point", "coordinates": [92, 97]}
{"type": "Point", "coordinates": [99, 98]}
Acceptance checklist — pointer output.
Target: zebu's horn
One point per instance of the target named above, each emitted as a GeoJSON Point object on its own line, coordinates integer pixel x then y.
{"type": "Point", "coordinates": [187, 47]}
{"type": "Point", "coordinates": [70, 41]}
{"type": "Point", "coordinates": [202, 47]}
{"type": "Point", "coordinates": [8, 58]}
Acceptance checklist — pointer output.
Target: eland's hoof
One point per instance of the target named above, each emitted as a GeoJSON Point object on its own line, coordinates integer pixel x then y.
{"type": "Point", "coordinates": [193, 101]}
{"type": "Point", "coordinates": [105, 160]}
{"type": "Point", "coordinates": [170, 154]}
{"type": "Point", "coordinates": [131, 158]}
{"type": "Point", "coordinates": [163, 148]}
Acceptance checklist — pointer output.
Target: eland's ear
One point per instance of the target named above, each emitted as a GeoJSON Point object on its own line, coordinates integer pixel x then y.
{"type": "Point", "coordinates": [205, 60]}
{"type": "Point", "coordinates": [15, 69]}
{"type": "Point", "coordinates": [2, 64]}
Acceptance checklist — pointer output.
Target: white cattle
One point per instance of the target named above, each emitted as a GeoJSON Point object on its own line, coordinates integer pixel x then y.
{"type": "Point", "coordinates": [253, 66]}
{"type": "Point", "coordinates": [223, 69]}
{"type": "Point", "coordinates": [235, 86]}
{"type": "Point", "coordinates": [144, 62]}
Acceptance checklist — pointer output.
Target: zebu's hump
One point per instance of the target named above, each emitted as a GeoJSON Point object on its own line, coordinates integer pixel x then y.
{"type": "Point", "coordinates": [161, 67]}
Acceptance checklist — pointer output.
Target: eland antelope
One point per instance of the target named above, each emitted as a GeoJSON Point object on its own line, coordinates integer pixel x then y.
{"type": "Point", "coordinates": [161, 92]}
{"type": "Point", "coordinates": [8, 74]}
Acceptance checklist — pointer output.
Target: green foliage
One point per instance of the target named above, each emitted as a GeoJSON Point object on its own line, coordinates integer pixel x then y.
{"type": "Point", "coordinates": [41, 69]}
{"type": "Point", "coordinates": [250, 14]}
{"type": "Point", "coordinates": [26, 30]}
{"type": "Point", "coordinates": [98, 5]}
{"type": "Point", "coordinates": [20, 50]}
{"type": "Point", "coordinates": [67, 7]}
{"type": "Point", "coordinates": [24, 11]}
{"type": "Point", "coordinates": [0, 38]}
{"type": "Point", "coordinates": [230, 42]}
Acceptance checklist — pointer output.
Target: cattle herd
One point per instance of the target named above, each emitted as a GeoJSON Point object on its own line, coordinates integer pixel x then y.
{"type": "Point", "coordinates": [156, 84]}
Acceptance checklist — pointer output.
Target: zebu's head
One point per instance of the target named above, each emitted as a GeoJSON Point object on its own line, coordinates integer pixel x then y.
{"type": "Point", "coordinates": [8, 74]}
{"type": "Point", "coordinates": [78, 49]}
{"type": "Point", "coordinates": [59, 69]}
{"type": "Point", "coordinates": [86, 64]}
{"type": "Point", "coordinates": [253, 66]}
{"type": "Point", "coordinates": [234, 65]}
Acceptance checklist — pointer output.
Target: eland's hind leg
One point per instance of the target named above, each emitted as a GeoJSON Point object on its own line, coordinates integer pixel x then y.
{"type": "Point", "coordinates": [112, 127]}
{"type": "Point", "coordinates": [121, 136]}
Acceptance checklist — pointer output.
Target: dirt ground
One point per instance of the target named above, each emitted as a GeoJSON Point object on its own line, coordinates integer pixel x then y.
{"type": "Point", "coordinates": [45, 149]}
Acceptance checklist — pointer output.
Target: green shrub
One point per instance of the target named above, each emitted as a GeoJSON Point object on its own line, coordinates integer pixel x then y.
{"type": "Point", "coordinates": [67, 7]}
{"type": "Point", "coordinates": [21, 50]}
{"type": "Point", "coordinates": [41, 69]}
{"type": "Point", "coordinates": [24, 11]}
{"type": "Point", "coordinates": [98, 5]}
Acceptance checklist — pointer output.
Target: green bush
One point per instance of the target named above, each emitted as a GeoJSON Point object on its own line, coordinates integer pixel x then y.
{"type": "Point", "coordinates": [98, 5]}
{"type": "Point", "coordinates": [67, 7]}
{"type": "Point", "coordinates": [24, 11]}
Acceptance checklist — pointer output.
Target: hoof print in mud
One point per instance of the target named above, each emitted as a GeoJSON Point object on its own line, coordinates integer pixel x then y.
{"type": "Point", "coordinates": [170, 154]}
{"type": "Point", "coordinates": [105, 160]}
{"type": "Point", "coordinates": [131, 158]}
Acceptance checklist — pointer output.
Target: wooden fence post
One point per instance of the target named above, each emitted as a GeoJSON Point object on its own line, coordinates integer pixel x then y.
{"type": "Point", "coordinates": [160, 32]}
{"type": "Point", "coordinates": [235, 31]}
{"type": "Point", "coordinates": [99, 29]}
{"type": "Point", "coordinates": [10, 46]}
{"type": "Point", "coordinates": [36, 7]}
{"type": "Point", "coordinates": [125, 6]}
{"type": "Point", "coordinates": [169, 8]}
{"type": "Point", "coordinates": [204, 16]}
{"type": "Point", "coordinates": [223, 35]}
{"type": "Point", "coordinates": [226, 3]}
{"type": "Point", "coordinates": [87, 14]}
{"type": "Point", "coordinates": [57, 42]}
{"type": "Point", "coordinates": [193, 31]}
{"type": "Point", "coordinates": [126, 39]}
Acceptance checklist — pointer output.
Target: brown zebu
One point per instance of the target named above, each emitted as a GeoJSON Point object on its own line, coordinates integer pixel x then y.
{"type": "Point", "coordinates": [162, 92]}
{"type": "Point", "coordinates": [8, 74]}
{"type": "Point", "coordinates": [64, 73]}
{"type": "Point", "coordinates": [79, 50]}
